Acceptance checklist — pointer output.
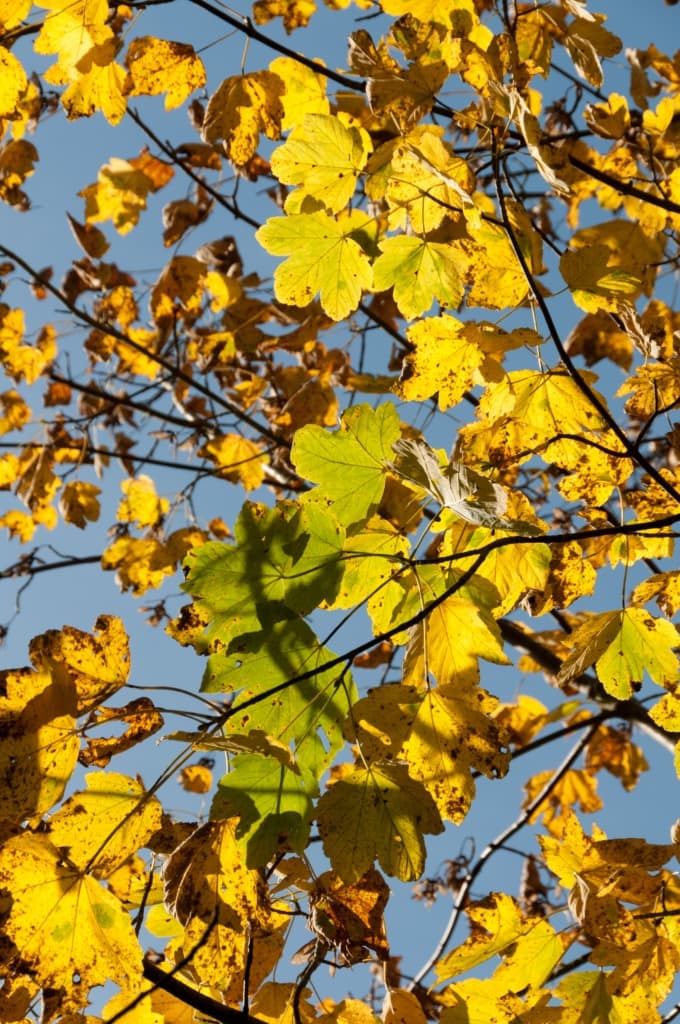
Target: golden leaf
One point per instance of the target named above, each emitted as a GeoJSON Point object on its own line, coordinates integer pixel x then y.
{"type": "Point", "coordinates": [106, 823]}
{"type": "Point", "coordinates": [84, 928]}
{"type": "Point", "coordinates": [96, 665]}
{"type": "Point", "coordinates": [141, 505]}
{"type": "Point", "coordinates": [79, 504]}
{"type": "Point", "coordinates": [39, 745]}
{"type": "Point", "coordinates": [159, 66]}
{"type": "Point", "coordinates": [241, 108]}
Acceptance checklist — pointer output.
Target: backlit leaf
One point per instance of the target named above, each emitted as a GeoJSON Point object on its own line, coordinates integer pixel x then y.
{"type": "Point", "coordinates": [376, 812]}
{"type": "Point", "coordinates": [322, 259]}
{"type": "Point", "coordinates": [158, 66]}
{"type": "Point", "coordinates": [323, 157]}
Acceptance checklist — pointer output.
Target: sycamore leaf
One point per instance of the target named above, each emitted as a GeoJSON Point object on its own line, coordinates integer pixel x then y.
{"type": "Point", "coordinates": [237, 458]}
{"type": "Point", "coordinates": [471, 496]}
{"type": "Point", "coordinates": [79, 503]}
{"type": "Point", "coordinates": [324, 158]}
{"type": "Point", "coordinates": [72, 31]}
{"type": "Point", "coordinates": [142, 720]}
{"type": "Point", "coordinates": [274, 804]}
{"type": "Point", "coordinates": [305, 90]}
{"type": "Point", "coordinates": [305, 716]}
{"type": "Point", "coordinates": [377, 811]}
{"type": "Point", "coordinates": [141, 505]}
{"type": "Point", "coordinates": [121, 189]}
{"type": "Point", "coordinates": [496, 923]}
{"type": "Point", "coordinates": [349, 464]}
{"type": "Point", "coordinates": [160, 66]}
{"type": "Point", "coordinates": [419, 272]}
{"type": "Point", "coordinates": [95, 665]}
{"type": "Point", "coordinates": [39, 744]}
{"type": "Point", "coordinates": [13, 82]}
{"type": "Point", "coordinates": [352, 915]}
{"type": "Point", "coordinates": [241, 108]}
{"type": "Point", "coordinates": [323, 259]}
{"type": "Point", "coordinates": [206, 880]}
{"type": "Point", "coordinates": [380, 722]}
{"type": "Point", "coordinates": [443, 362]}
{"type": "Point", "coordinates": [286, 559]}
{"type": "Point", "coordinates": [623, 645]}
{"type": "Point", "coordinates": [105, 824]}
{"type": "Point", "coordinates": [98, 87]}
{"type": "Point", "coordinates": [452, 736]}
{"type": "Point", "coordinates": [593, 283]}
{"type": "Point", "coordinates": [84, 929]}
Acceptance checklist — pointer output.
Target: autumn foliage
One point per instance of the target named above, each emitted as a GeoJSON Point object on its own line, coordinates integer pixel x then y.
{"type": "Point", "coordinates": [412, 323]}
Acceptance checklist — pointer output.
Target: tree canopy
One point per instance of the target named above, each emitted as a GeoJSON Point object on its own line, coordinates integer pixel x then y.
{"type": "Point", "coordinates": [393, 411]}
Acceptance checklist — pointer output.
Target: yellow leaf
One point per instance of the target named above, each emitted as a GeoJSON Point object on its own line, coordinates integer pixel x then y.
{"type": "Point", "coordinates": [493, 271]}
{"type": "Point", "coordinates": [295, 13]}
{"type": "Point", "coordinates": [586, 41]}
{"type": "Point", "coordinates": [305, 90]}
{"type": "Point", "coordinates": [141, 505]}
{"type": "Point", "coordinates": [72, 30]}
{"type": "Point", "coordinates": [453, 736]}
{"type": "Point", "coordinates": [98, 87]}
{"type": "Point", "coordinates": [425, 181]}
{"type": "Point", "coordinates": [39, 745]}
{"type": "Point", "coordinates": [196, 778]}
{"type": "Point", "coordinates": [242, 107]}
{"type": "Point", "coordinates": [141, 564]}
{"type": "Point", "coordinates": [79, 504]}
{"type": "Point", "coordinates": [83, 930]}
{"type": "Point", "coordinates": [351, 916]}
{"type": "Point", "coordinates": [106, 823]}
{"type": "Point", "coordinates": [623, 645]}
{"type": "Point", "coordinates": [13, 12]}
{"type": "Point", "coordinates": [17, 160]}
{"type": "Point", "coordinates": [419, 272]}
{"type": "Point", "coordinates": [160, 66]}
{"type": "Point", "coordinates": [322, 258]}
{"type": "Point", "coordinates": [380, 812]}
{"type": "Point", "coordinates": [19, 524]}
{"type": "Point", "coordinates": [442, 362]}
{"type": "Point", "coordinates": [237, 458]}
{"type": "Point", "coordinates": [142, 720]}
{"type": "Point", "coordinates": [613, 750]}
{"type": "Point", "coordinates": [324, 157]}
{"type": "Point", "coordinates": [594, 284]}
{"type": "Point", "coordinates": [96, 665]}
{"type": "Point", "coordinates": [575, 788]}
{"type": "Point", "coordinates": [496, 924]}
{"type": "Point", "coordinates": [179, 290]}
{"type": "Point", "coordinates": [424, 10]}
{"type": "Point", "coordinates": [13, 82]}
{"type": "Point", "coordinates": [15, 412]}
{"type": "Point", "coordinates": [206, 880]}
{"type": "Point", "coordinates": [121, 191]}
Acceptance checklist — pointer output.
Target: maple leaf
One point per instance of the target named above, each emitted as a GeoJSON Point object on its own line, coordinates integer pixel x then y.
{"type": "Point", "coordinates": [241, 108]}
{"type": "Point", "coordinates": [376, 811]}
{"type": "Point", "coordinates": [359, 449]}
{"type": "Point", "coordinates": [323, 259]}
{"type": "Point", "coordinates": [91, 932]}
{"type": "Point", "coordinates": [159, 66]}
{"type": "Point", "coordinates": [623, 646]}
{"type": "Point", "coordinates": [324, 158]}
{"type": "Point", "coordinates": [419, 271]}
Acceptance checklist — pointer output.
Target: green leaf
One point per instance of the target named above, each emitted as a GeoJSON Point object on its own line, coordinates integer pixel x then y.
{"type": "Point", "coordinates": [273, 802]}
{"type": "Point", "coordinates": [284, 559]}
{"type": "Point", "coordinates": [322, 259]}
{"type": "Point", "coordinates": [419, 272]}
{"type": "Point", "coordinates": [306, 716]}
{"type": "Point", "coordinates": [349, 464]}
{"type": "Point", "coordinates": [377, 811]}
{"type": "Point", "coordinates": [624, 645]}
